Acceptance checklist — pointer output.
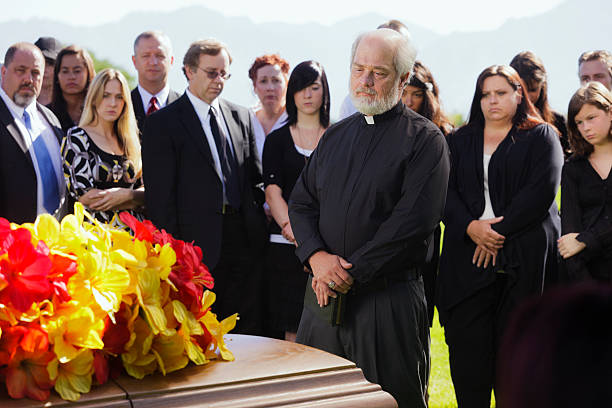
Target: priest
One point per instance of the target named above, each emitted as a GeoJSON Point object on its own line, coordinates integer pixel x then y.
{"type": "Point", "coordinates": [363, 213]}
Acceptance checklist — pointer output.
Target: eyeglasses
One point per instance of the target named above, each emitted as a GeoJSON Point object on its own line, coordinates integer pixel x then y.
{"type": "Point", "coordinates": [212, 74]}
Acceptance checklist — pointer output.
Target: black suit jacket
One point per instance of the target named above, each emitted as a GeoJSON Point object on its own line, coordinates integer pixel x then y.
{"type": "Point", "coordinates": [139, 107]}
{"type": "Point", "coordinates": [183, 191]}
{"type": "Point", "coordinates": [18, 185]}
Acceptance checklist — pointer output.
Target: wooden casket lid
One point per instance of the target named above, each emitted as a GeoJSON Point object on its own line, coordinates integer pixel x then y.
{"type": "Point", "coordinates": [266, 373]}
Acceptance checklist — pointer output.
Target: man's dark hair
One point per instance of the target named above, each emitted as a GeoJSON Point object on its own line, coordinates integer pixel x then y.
{"type": "Point", "coordinates": [210, 46]}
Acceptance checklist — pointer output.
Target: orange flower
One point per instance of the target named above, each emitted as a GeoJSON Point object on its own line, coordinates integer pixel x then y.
{"type": "Point", "coordinates": [26, 373]}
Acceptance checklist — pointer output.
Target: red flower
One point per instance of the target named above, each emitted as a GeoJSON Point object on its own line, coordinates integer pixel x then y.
{"type": "Point", "coordinates": [115, 337]}
{"type": "Point", "coordinates": [26, 373]}
{"type": "Point", "coordinates": [205, 339]}
{"type": "Point", "coordinates": [5, 229]}
{"type": "Point", "coordinates": [142, 230]}
{"type": "Point", "coordinates": [25, 271]}
{"type": "Point", "coordinates": [189, 274]}
{"type": "Point", "coordinates": [62, 269]}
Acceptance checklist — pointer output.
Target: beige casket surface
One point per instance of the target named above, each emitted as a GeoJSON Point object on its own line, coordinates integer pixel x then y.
{"type": "Point", "coordinates": [266, 373]}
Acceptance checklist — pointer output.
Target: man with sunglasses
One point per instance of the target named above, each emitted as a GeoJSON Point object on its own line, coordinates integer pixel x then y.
{"type": "Point", "coordinates": [203, 181]}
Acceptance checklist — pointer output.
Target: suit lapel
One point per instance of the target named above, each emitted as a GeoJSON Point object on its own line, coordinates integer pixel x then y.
{"type": "Point", "coordinates": [52, 121]}
{"type": "Point", "coordinates": [7, 119]}
{"type": "Point", "coordinates": [192, 123]}
{"type": "Point", "coordinates": [233, 126]}
{"type": "Point", "coordinates": [137, 104]}
{"type": "Point", "coordinates": [172, 96]}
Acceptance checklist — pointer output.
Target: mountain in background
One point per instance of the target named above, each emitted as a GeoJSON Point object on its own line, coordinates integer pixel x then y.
{"type": "Point", "coordinates": [456, 59]}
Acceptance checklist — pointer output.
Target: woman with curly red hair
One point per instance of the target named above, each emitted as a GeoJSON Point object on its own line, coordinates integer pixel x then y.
{"type": "Point", "coordinates": [269, 74]}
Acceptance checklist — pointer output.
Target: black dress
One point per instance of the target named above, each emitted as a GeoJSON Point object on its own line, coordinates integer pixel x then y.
{"type": "Point", "coordinates": [474, 303]}
{"type": "Point", "coordinates": [586, 208]}
{"type": "Point", "coordinates": [86, 166]}
{"type": "Point", "coordinates": [282, 165]}
{"type": "Point", "coordinates": [62, 115]}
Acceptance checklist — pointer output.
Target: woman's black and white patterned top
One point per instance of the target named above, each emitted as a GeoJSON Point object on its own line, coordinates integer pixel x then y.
{"type": "Point", "coordinates": [86, 166]}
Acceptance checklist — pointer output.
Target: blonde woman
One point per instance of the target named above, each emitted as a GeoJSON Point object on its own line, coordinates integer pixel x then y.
{"type": "Point", "coordinates": [102, 162]}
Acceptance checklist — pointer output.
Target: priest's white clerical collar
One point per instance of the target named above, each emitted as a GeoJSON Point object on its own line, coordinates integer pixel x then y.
{"type": "Point", "coordinates": [369, 119]}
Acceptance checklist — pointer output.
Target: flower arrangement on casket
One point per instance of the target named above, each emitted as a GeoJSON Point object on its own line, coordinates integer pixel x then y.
{"type": "Point", "coordinates": [82, 300]}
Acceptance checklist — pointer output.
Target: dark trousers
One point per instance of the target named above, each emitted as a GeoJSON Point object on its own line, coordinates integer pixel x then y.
{"type": "Point", "coordinates": [385, 333]}
{"type": "Point", "coordinates": [238, 278]}
{"type": "Point", "coordinates": [473, 331]}
{"type": "Point", "coordinates": [430, 275]}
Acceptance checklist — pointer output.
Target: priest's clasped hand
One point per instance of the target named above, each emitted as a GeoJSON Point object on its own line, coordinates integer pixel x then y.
{"type": "Point", "coordinates": [328, 268]}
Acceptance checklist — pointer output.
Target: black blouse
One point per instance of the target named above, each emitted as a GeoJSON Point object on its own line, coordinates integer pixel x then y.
{"type": "Point", "coordinates": [282, 164]}
{"type": "Point", "coordinates": [586, 208]}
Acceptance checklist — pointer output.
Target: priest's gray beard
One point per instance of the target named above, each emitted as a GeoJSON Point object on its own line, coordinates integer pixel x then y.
{"type": "Point", "coordinates": [380, 104]}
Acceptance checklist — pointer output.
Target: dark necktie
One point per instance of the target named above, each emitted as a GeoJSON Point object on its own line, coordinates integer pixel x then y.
{"type": "Point", "coordinates": [229, 167]}
{"type": "Point", "coordinates": [48, 176]}
{"type": "Point", "coordinates": [153, 106]}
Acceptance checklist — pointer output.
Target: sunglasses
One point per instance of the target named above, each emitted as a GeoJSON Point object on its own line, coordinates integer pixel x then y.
{"type": "Point", "coordinates": [212, 74]}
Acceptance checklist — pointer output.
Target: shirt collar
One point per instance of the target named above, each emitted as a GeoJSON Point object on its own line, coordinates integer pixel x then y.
{"type": "Point", "coordinates": [15, 109]}
{"type": "Point", "coordinates": [162, 96]}
{"type": "Point", "coordinates": [202, 107]}
{"type": "Point", "coordinates": [394, 111]}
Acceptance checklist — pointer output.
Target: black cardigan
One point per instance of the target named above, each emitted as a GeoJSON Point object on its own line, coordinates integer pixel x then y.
{"type": "Point", "coordinates": [586, 208]}
{"type": "Point", "coordinates": [524, 175]}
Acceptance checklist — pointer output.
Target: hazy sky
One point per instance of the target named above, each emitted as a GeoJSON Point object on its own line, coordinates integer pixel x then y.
{"type": "Point", "coordinates": [442, 16]}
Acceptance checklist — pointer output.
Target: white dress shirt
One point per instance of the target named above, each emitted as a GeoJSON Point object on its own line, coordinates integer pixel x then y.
{"type": "Point", "coordinates": [40, 128]}
{"type": "Point", "coordinates": [258, 130]}
{"type": "Point", "coordinates": [162, 97]}
{"type": "Point", "coordinates": [203, 111]}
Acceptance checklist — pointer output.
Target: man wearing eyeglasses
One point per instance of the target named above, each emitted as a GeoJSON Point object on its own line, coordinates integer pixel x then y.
{"type": "Point", "coordinates": [203, 181]}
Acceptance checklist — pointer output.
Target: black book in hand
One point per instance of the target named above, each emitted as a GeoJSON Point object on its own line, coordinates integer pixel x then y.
{"type": "Point", "coordinates": [333, 313]}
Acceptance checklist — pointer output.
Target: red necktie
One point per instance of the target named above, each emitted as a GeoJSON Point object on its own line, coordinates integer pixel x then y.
{"type": "Point", "coordinates": [153, 106]}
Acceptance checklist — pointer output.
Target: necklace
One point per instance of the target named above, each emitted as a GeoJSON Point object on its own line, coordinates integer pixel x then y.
{"type": "Point", "coordinates": [308, 138]}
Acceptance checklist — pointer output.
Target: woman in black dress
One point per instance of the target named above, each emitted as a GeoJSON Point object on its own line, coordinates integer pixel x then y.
{"type": "Point", "coordinates": [285, 153]}
{"type": "Point", "coordinates": [531, 70]}
{"type": "Point", "coordinates": [102, 163]}
{"type": "Point", "coordinates": [501, 223]}
{"type": "Point", "coordinates": [586, 187]}
{"type": "Point", "coordinates": [421, 95]}
{"type": "Point", "coordinates": [73, 72]}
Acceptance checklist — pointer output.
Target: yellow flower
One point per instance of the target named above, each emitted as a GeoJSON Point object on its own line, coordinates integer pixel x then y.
{"type": "Point", "coordinates": [99, 278]}
{"type": "Point", "coordinates": [169, 352]}
{"type": "Point", "coordinates": [216, 329]}
{"type": "Point", "coordinates": [47, 228]}
{"type": "Point", "coordinates": [138, 360]}
{"type": "Point", "coordinates": [74, 377]}
{"type": "Point", "coordinates": [189, 327]}
{"type": "Point", "coordinates": [73, 328]}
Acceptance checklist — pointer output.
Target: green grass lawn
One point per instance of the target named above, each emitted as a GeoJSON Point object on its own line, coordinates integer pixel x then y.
{"type": "Point", "coordinates": [441, 390]}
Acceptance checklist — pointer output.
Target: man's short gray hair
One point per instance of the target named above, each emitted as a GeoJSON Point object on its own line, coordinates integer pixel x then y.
{"type": "Point", "coordinates": [404, 55]}
{"type": "Point", "coordinates": [163, 39]}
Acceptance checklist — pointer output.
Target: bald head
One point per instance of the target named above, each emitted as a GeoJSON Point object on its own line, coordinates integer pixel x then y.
{"type": "Point", "coordinates": [22, 46]}
{"type": "Point", "coordinates": [396, 25]}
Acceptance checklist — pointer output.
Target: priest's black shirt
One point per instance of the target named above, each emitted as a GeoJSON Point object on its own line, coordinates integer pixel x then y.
{"type": "Point", "coordinates": [372, 193]}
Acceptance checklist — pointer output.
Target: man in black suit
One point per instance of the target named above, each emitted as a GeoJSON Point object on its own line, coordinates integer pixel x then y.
{"type": "Point", "coordinates": [31, 177]}
{"type": "Point", "coordinates": [203, 182]}
{"type": "Point", "coordinates": [152, 59]}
